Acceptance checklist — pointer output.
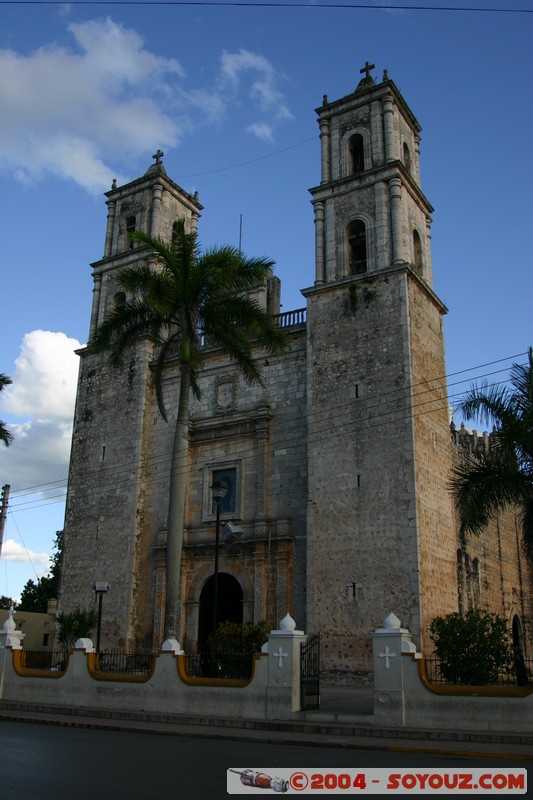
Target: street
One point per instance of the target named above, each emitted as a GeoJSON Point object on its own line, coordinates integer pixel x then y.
{"type": "Point", "coordinates": [49, 762]}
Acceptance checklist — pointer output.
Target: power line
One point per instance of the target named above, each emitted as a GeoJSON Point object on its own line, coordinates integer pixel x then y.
{"type": "Point", "coordinates": [413, 410]}
{"type": "Point", "coordinates": [227, 4]}
{"type": "Point", "coordinates": [245, 163]}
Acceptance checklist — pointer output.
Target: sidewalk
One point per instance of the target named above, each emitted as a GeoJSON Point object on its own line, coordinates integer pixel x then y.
{"type": "Point", "coordinates": [346, 700]}
{"type": "Point", "coordinates": [344, 720]}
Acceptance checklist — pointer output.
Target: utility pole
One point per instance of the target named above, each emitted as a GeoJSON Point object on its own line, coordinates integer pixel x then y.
{"type": "Point", "coordinates": [3, 512]}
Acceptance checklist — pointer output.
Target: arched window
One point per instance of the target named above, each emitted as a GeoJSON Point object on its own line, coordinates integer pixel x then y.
{"type": "Point", "coordinates": [356, 247]}
{"type": "Point", "coordinates": [407, 157]}
{"type": "Point", "coordinates": [357, 154]}
{"type": "Point", "coordinates": [119, 300]}
{"type": "Point", "coordinates": [130, 228]}
{"type": "Point", "coordinates": [417, 253]}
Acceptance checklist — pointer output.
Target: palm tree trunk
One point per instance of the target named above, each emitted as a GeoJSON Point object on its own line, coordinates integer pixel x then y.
{"type": "Point", "coordinates": [176, 506]}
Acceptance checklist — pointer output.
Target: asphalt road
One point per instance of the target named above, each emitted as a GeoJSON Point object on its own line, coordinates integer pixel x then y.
{"type": "Point", "coordinates": [48, 762]}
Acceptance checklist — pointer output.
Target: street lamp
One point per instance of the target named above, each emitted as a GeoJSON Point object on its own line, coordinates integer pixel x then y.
{"type": "Point", "coordinates": [100, 588]}
{"type": "Point", "coordinates": [218, 493]}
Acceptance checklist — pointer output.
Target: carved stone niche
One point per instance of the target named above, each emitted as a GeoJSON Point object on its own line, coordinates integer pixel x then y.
{"type": "Point", "coordinates": [131, 208]}
{"type": "Point", "coordinates": [226, 399]}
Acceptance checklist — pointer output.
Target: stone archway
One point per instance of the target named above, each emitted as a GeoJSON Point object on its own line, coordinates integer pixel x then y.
{"type": "Point", "coordinates": [518, 634]}
{"type": "Point", "coordinates": [230, 605]}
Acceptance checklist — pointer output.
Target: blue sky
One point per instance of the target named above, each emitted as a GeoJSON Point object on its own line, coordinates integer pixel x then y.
{"type": "Point", "coordinates": [89, 92]}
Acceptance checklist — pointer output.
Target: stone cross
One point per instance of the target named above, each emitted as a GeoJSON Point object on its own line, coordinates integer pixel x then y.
{"type": "Point", "coordinates": [280, 655]}
{"type": "Point", "coordinates": [158, 156]}
{"type": "Point", "coordinates": [366, 69]}
{"type": "Point", "coordinates": [387, 655]}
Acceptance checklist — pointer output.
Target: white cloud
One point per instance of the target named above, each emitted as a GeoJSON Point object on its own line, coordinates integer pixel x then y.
{"type": "Point", "coordinates": [261, 130]}
{"type": "Point", "coordinates": [12, 551]}
{"type": "Point", "coordinates": [45, 377]}
{"type": "Point", "coordinates": [262, 90]}
{"type": "Point", "coordinates": [64, 110]}
{"type": "Point", "coordinates": [38, 457]}
{"type": "Point", "coordinates": [42, 395]}
{"type": "Point", "coordinates": [72, 111]}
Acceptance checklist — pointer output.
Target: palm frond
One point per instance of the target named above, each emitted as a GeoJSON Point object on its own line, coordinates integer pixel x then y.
{"type": "Point", "coordinates": [484, 486]}
{"type": "Point", "coordinates": [5, 435]}
{"type": "Point", "coordinates": [5, 380]}
{"type": "Point", "coordinates": [123, 327]}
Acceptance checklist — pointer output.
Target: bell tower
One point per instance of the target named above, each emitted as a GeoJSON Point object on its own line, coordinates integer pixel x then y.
{"type": "Point", "coordinates": [370, 212]}
{"type": "Point", "coordinates": [379, 513]}
{"type": "Point", "coordinates": [152, 203]}
{"type": "Point", "coordinates": [116, 468]}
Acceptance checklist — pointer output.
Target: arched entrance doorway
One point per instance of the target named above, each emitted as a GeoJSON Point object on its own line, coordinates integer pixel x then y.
{"type": "Point", "coordinates": [230, 605]}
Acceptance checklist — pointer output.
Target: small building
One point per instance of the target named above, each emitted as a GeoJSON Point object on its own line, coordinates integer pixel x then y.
{"type": "Point", "coordinates": [39, 628]}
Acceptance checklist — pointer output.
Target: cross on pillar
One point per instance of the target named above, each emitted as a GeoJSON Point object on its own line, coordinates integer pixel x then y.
{"type": "Point", "coordinates": [280, 655]}
{"type": "Point", "coordinates": [158, 156]}
{"type": "Point", "coordinates": [366, 69]}
{"type": "Point", "coordinates": [387, 655]}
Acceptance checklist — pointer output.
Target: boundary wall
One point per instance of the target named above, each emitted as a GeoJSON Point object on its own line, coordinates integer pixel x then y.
{"type": "Point", "coordinates": [403, 696]}
{"type": "Point", "coordinates": [273, 691]}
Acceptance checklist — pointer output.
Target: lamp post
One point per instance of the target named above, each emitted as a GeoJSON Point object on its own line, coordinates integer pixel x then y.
{"type": "Point", "coordinates": [218, 493]}
{"type": "Point", "coordinates": [100, 588]}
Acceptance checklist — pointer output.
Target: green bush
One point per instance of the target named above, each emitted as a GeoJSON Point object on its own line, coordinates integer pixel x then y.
{"type": "Point", "coordinates": [473, 648]}
{"type": "Point", "coordinates": [231, 637]}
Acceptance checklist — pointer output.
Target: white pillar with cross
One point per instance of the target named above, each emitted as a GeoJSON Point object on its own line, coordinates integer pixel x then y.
{"type": "Point", "coordinates": [283, 689]}
{"type": "Point", "coordinates": [390, 642]}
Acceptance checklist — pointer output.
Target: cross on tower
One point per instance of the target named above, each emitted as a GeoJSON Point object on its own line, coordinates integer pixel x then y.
{"type": "Point", "coordinates": [158, 156]}
{"type": "Point", "coordinates": [366, 69]}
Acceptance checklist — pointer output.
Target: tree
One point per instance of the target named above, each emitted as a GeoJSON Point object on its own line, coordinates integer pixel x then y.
{"type": "Point", "coordinates": [8, 602]}
{"type": "Point", "coordinates": [35, 595]}
{"type": "Point", "coordinates": [79, 624]}
{"type": "Point", "coordinates": [5, 436]}
{"type": "Point", "coordinates": [473, 648]}
{"type": "Point", "coordinates": [189, 295]}
{"type": "Point", "coordinates": [486, 484]}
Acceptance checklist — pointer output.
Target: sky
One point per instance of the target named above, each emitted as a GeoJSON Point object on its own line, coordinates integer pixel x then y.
{"type": "Point", "coordinates": [89, 91]}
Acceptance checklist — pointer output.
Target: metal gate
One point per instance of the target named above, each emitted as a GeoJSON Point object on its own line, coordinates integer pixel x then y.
{"type": "Point", "coordinates": [310, 673]}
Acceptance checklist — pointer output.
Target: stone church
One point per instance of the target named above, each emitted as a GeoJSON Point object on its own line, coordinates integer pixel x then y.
{"type": "Point", "coordinates": [338, 508]}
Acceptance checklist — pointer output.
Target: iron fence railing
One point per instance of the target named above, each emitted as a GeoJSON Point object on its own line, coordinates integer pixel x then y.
{"type": "Point", "coordinates": [52, 660]}
{"type": "Point", "coordinates": [517, 672]}
{"type": "Point", "coordinates": [221, 664]}
{"type": "Point", "coordinates": [139, 662]}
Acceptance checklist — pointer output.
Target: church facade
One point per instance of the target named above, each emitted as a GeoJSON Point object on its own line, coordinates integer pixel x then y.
{"type": "Point", "coordinates": [338, 508]}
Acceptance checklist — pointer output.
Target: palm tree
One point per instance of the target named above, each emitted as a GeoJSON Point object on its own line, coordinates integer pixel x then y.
{"type": "Point", "coordinates": [482, 486]}
{"type": "Point", "coordinates": [190, 295]}
{"type": "Point", "coordinates": [5, 436]}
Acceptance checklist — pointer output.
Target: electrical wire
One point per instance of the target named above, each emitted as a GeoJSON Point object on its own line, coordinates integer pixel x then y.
{"type": "Point", "coordinates": [120, 474]}
{"type": "Point", "coordinates": [228, 4]}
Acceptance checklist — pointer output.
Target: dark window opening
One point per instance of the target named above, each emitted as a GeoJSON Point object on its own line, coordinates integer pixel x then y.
{"type": "Point", "coordinates": [417, 250]}
{"type": "Point", "coordinates": [130, 228]}
{"type": "Point", "coordinates": [357, 154]}
{"type": "Point", "coordinates": [406, 158]}
{"type": "Point", "coordinates": [356, 235]}
{"type": "Point", "coordinates": [119, 300]}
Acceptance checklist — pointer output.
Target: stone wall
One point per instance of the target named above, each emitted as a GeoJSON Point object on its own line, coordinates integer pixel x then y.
{"type": "Point", "coordinates": [363, 522]}
{"type": "Point", "coordinates": [492, 571]}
